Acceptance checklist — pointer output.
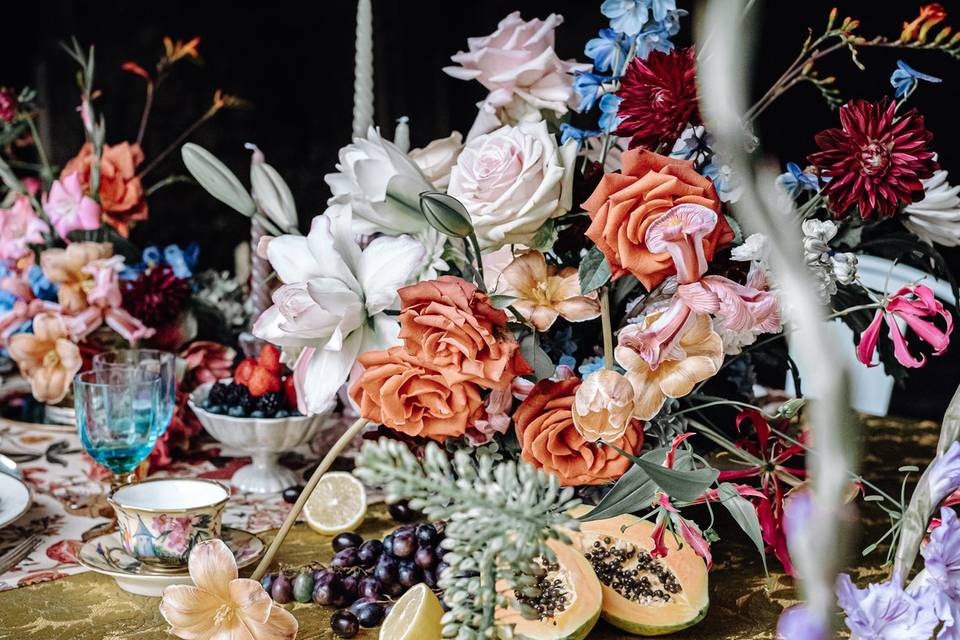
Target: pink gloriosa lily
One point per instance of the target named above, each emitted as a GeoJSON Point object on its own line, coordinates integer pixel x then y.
{"type": "Point", "coordinates": [918, 307]}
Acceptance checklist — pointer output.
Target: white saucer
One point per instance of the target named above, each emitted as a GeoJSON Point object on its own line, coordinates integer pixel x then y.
{"type": "Point", "coordinates": [105, 554]}
{"type": "Point", "coordinates": [14, 499]}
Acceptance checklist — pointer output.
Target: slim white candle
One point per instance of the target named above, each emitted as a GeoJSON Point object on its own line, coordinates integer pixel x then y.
{"type": "Point", "coordinates": [363, 71]}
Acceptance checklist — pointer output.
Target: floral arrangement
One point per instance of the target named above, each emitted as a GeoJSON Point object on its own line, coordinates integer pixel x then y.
{"type": "Point", "coordinates": [564, 297]}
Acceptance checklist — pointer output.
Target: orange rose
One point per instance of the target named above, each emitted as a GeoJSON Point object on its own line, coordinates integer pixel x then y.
{"type": "Point", "coordinates": [451, 327]}
{"type": "Point", "coordinates": [121, 193]}
{"type": "Point", "coordinates": [624, 204]}
{"type": "Point", "coordinates": [399, 393]}
{"type": "Point", "coordinates": [549, 440]}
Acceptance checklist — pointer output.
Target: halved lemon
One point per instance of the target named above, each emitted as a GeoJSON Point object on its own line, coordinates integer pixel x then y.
{"type": "Point", "coordinates": [337, 504]}
{"type": "Point", "coordinates": [415, 616]}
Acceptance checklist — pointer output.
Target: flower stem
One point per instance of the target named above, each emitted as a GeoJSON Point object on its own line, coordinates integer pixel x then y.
{"type": "Point", "coordinates": [476, 250]}
{"type": "Point", "coordinates": [176, 143]}
{"type": "Point", "coordinates": [325, 464]}
{"type": "Point", "coordinates": [607, 327]}
{"type": "Point", "coordinates": [47, 171]}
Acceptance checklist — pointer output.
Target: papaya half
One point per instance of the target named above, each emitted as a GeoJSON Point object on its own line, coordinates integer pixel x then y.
{"type": "Point", "coordinates": [566, 600]}
{"type": "Point", "coordinates": [644, 595]}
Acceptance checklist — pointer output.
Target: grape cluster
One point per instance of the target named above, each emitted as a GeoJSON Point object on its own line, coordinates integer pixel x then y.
{"type": "Point", "coordinates": [365, 576]}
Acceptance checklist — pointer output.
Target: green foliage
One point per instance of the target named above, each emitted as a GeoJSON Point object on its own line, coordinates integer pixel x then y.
{"type": "Point", "coordinates": [499, 517]}
{"type": "Point", "coordinates": [594, 271]}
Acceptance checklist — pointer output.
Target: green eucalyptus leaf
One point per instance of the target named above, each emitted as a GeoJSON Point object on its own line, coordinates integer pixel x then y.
{"type": "Point", "coordinates": [745, 515]}
{"type": "Point", "coordinates": [594, 271]}
{"type": "Point", "coordinates": [217, 179]}
{"type": "Point", "coordinates": [501, 301]}
{"type": "Point", "coordinates": [680, 485]}
{"type": "Point", "coordinates": [536, 357]}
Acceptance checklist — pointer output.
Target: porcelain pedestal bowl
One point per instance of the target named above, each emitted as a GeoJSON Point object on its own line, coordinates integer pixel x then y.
{"type": "Point", "coordinates": [263, 439]}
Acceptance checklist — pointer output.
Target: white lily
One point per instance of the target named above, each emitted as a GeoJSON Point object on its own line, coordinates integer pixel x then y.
{"type": "Point", "coordinates": [332, 302]}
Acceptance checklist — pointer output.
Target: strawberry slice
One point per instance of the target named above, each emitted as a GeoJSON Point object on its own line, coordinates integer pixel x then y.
{"type": "Point", "coordinates": [269, 358]}
{"type": "Point", "coordinates": [244, 371]}
{"type": "Point", "coordinates": [290, 391]}
{"type": "Point", "coordinates": [262, 381]}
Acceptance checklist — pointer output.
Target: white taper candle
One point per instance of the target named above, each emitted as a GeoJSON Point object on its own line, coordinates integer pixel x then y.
{"type": "Point", "coordinates": [363, 71]}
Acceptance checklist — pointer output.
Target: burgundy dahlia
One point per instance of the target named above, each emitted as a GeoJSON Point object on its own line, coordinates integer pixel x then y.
{"type": "Point", "coordinates": [659, 98]}
{"type": "Point", "coordinates": [8, 105]}
{"type": "Point", "coordinates": [155, 296]}
{"type": "Point", "coordinates": [876, 160]}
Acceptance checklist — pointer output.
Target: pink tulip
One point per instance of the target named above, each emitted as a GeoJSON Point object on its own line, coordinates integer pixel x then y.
{"type": "Point", "coordinates": [69, 208]}
{"type": "Point", "coordinates": [918, 307]}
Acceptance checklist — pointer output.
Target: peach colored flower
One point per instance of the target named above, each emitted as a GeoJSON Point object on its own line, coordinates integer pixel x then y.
{"type": "Point", "coordinates": [65, 267]}
{"type": "Point", "coordinates": [222, 605]}
{"type": "Point", "coordinates": [396, 391]}
{"type": "Point", "coordinates": [121, 193]}
{"type": "Point", "coordinates": [544, 291]}
{"type": "Point", "coordinates": [695, 356]}
{"type": "Point", "coordinates": [47, 357]}
{"type": "Point", "coordinates": [603, 406]}
{"type": "Point", "coordinates": [451, 327]}
{"type": "Point", "coordinates": [550, 441]}
{"type": "Point", "coordinates": [625, 204]}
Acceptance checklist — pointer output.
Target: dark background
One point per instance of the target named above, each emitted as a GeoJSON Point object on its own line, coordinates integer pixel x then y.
{"type": "Point", "coordinates": [294, 62]}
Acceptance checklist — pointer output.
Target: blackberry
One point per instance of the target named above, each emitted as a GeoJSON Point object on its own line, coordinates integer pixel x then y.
{"type": "Point", "coordinates": [218, 393]}
{"type": "Point", "coordinates": [239, 396]}
{"type": "Point", "coordinates": [270, 403]}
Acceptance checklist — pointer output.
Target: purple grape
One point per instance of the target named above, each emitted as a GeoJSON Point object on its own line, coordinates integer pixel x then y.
{"type": "Point", "coordinates": [350, 585]}
{"type": "Point", "coordinates": [409, 573]}
{"type": "Point", "coordinates": [303, 587]}
{"type": "Point", "coordinates": [326, 588]}
{"type": "Point", "coordinates": [426, 535]}
{"type": "Point", "coordinates": [359, 602]}
{"type": "Point", "coordinates": [369, 614]}
{"type": "Point", "coordinates": [369, 587]}
{"type": "Point", "coordinates": [282, 589]}
{"type": "Point", "coordinates": [344, 624]}
{"type": "Point", "coordinates": [394, 590]}
{"type": "Point", "coordinates": [401, 512]}
{"type": "Point", "coordinates": [425, 558]}
{"type": "Point", "coordinates": [388, 544]}
{"type": "Point", "coordinates": [345, 558]}
{"type": "Point", "coordinates": [369, 551]}
{"type": "Point", "coordinates": [267, 581]}
{"type": "Point", "coordinates": [404, 544]}
{"type": "Point", "coordinates": [290, 494]}
{"type": "Point", "coordinates": [441, 567]}
{"type": "Point", "coordinates": [346, 540]}
{"type": "Point", "coordinates": [386, 570]}
{"type": "Point", "coordinates": [430, 578]}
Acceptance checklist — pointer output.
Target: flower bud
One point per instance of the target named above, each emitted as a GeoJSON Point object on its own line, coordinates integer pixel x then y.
{"type": "Point", "coordinates": [446, 214]}
{"type": "Point", "coordinates": [603, 406]}
{"type": "Point", "coordinates": [217, 179]}
{"type": "Point", "coordinates": [272, 194]}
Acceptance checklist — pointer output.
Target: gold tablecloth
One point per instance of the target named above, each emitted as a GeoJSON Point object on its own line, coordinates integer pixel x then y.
{"type": "Point", "coordinates": [744, 603]}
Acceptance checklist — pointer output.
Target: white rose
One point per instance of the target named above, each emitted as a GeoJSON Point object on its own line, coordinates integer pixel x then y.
{"type": "Point", "coordinates": [512, 181]}
{"type": "Point", "coordinates": [437, 158]}
{"type": "Point", "coordinates": [359, 187]}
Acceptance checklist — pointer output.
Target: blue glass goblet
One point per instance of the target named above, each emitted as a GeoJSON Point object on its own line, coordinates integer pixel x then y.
{"type": "Point", "coordinates": [118, 417]}
{"type": "Point", "coordinates": [151, 361]}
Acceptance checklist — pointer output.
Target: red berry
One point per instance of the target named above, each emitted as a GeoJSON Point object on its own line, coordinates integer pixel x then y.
{"type": "Point", "coordinates": [290, 391]}
{"type": "Point", "coordinates": [244, 371]}
{"type": "Point", "coordinates": [262, 381]}
{"type": "Point", "coordinates": [269, 358]}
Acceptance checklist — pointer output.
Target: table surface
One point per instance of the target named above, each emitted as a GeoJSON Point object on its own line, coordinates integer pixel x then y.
{"type": "Point", "coordinates": [744, 603]}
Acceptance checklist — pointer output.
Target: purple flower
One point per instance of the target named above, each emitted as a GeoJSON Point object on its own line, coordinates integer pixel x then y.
{"type": "Point", "coordinates": [942, 554]}
{"type": "Point", "coordinates": [884, 611]}
{"type": "Point", "coordinates": [796, 623]}
{"type": "Point", "coordinates": [944, 474]}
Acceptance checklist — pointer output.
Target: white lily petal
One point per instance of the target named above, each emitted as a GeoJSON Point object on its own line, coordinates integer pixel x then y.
{"type": "Point", "coordinates": [326, 250]}
{"type": "Point", "coordinates": [290, 257]}
{"type": "Point", "coordinates": [386, 265]}
{"type": "Point", "coordinates": [320, 373]}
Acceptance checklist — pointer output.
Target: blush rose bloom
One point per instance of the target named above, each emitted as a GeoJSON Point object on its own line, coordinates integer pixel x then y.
{"type": "Point", "coordinates": [625, 204]}
{"type": "Point", "coordinates": [512, 181]}
{"type": "Point", "coordinates": [550, 441]}
{"type": "Point", "coordinates": [397, 391]}
{"type": "Point", "coordinates": [518, 60]}
{"type": "Point", "coordinates": [437, 158]}
{"type": "Point", "coordinates": [451, 327]}
{"type": "Point", "coordinates": [121, 193]}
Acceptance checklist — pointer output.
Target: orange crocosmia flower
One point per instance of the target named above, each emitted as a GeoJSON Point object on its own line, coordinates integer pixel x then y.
{"type": "Point", "coordinates": [625, 204]}
{"type": "Point", "coordinates": [174, 51]}
{"type": "Point", "coordinates": [550, 441]}
{"type": "Point", "coordinates": [122, 197]}
{"type": "Point", "coordinates": [396, 391]}
{"type": "Point", "coordinates": [930, 16]}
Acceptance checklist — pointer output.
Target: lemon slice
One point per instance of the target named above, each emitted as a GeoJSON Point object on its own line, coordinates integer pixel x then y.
{"type": "Point", "coordinates": [415, 616]}
{"type": "Point", "coordinates": [337, 504]}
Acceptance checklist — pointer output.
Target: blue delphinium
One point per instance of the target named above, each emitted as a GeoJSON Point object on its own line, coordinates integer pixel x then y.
{"type": "Point", "coordinates": [570, 132]}
{"type": "Point", "coordinates": [609, 105]}
{"type": "Point", "coordinates": [656, 35]}
{"type": "Point", "coordinates": [630, 16]}
{"type": "Point", "coordinates": [590, 365]}
{"type": "Point", "coordinates": [608, 51]}
{"type": "Point", "coordinates": [795, 180]}
{"type": "Point", "coordinates": [588, 87]}
{"type": "Point", "coordinates": [904, 79]}
{"type": "Point", "coordinates": [727, 183]}
{"type": "Point", "coordinates": [181, 261]}
{"type": "Point", "coordinates": [40, 285]}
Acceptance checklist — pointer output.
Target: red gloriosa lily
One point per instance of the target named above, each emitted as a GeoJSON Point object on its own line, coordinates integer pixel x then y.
{"type": "Point", "coordinates": [918, 307]}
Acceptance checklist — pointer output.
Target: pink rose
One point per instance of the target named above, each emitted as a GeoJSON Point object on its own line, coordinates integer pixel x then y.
{"type": "Point", "coordinates": [518, 60]}
{"type": "Point", "coordinates": [69, 208]}
{"type": "Point", "coordinates": [19, 228]}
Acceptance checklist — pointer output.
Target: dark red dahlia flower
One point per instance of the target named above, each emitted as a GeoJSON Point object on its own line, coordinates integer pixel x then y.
{"type": "Point", "coordinates": [659, 98]}
{"type": "Point", "coordinates": [876, 160]}
{"type": "Point", "coordinates": [155, 296]}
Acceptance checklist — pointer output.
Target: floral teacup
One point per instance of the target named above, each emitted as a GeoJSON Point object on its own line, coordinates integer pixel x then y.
{"type": "Point", "coordinates": [161, 520]}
